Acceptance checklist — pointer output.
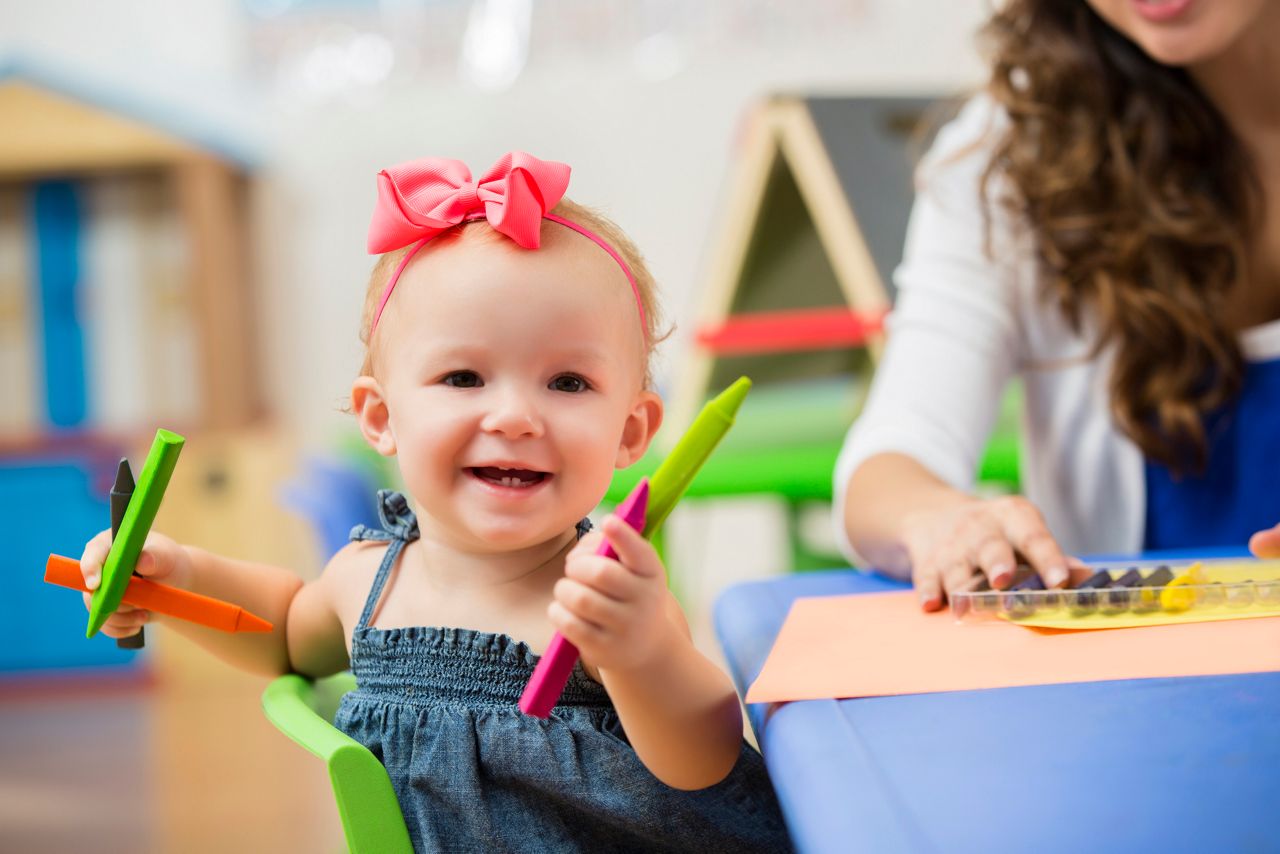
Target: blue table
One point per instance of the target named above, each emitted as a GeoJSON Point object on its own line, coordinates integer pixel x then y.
{"type": "Point", "coordinates": [1187, 764]}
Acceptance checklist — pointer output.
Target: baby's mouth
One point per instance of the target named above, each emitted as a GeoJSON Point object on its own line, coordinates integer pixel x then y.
{"type": "Point", "coordinates": [512, 478]}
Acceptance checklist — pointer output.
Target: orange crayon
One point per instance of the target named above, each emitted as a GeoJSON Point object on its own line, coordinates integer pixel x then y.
{"type": "Point", "coordinates": [163, 599]}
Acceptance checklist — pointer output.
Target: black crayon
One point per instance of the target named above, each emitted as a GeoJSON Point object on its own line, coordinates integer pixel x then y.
{"type": "Point", "coordinates": [1020, 605]}
{"type": "Point", "coordinates": [1121, 593]}
{"type": "Point", "coordinates": [121, 492]}
{"type": "Point", "coordinates": [1084, 599]}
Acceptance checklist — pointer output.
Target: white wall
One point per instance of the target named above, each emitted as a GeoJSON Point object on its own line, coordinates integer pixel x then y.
{"type": "Point", "coordinates": [655, 155]}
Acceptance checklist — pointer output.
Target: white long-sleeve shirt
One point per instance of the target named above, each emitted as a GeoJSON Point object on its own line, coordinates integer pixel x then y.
{"type": "Point", "coordinates": [964, 324]}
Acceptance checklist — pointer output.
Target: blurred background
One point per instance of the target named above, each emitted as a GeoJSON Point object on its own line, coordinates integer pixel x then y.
{"type": "Point", "coordinates": [184, 194]}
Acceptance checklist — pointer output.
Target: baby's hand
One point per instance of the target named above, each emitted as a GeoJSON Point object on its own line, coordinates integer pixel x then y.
{"type": "Point", "coordinates": [161, 560]}
{"type": "Point", "coordinates": [614, 611]}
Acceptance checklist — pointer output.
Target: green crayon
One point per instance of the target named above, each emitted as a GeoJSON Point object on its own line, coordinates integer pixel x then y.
{"type": "Point", "coordinates": [677, 471]}
{"type": "Point", "coordinates": [128, 542]}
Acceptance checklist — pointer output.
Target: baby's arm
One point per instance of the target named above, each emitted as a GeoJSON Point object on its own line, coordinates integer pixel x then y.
{"type": "Point", "coordinates": [679, 710]}
{"type": "Point", "coordinates": [270, 592]}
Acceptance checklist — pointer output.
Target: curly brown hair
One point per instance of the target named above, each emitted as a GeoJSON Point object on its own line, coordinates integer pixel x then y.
{"type": "Point", "coordinates": [1140, 198]}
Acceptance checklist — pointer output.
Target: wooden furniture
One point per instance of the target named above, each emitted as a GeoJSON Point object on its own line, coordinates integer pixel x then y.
{"type": "Point", "coordinates": [125, 297]}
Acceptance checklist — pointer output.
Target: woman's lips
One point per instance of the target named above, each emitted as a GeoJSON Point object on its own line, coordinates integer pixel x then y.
{"type": "Point", "coordinates": [1161, 11]}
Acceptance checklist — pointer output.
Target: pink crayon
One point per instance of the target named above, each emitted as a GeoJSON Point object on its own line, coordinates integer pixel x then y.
{"type": "Point", "coordinates": [552, 673]}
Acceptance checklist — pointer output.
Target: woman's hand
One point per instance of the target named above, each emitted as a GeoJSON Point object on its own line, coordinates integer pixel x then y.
{"type": "Point", "coordinates": [613, 611]}
{"type": "Point", "coordinates": [1266, 544]}
{"type": "Point", "coordinates": [161, 560]}
{"type": "Point", "coordinates": [948, 547]}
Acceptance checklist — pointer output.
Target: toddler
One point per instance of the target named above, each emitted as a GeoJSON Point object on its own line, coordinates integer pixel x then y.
{"type": "Point", "coordinates": [508, 336]}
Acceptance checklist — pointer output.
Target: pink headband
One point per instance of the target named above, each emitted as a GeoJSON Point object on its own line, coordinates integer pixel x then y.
{"type": "Point", "coordinates": [423, 198]}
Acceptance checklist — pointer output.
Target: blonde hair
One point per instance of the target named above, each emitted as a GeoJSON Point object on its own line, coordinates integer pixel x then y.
{"type": "Point", "coordinates": [646, 286]}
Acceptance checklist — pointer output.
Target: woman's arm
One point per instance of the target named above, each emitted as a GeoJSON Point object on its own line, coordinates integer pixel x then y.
{"type": "Point", "coordinates": [911, 524]}
{"type": "Point", "coordinates": [882, 493]}
{"type": "Point", "coordinates": [956, 337]}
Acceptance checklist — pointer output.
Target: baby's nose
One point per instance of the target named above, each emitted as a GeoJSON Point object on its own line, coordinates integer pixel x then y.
{"type": "Point", "coordinates": [514, 415]}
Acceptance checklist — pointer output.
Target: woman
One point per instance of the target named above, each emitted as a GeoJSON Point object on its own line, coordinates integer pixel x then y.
{"type": "Point", "coordinates": [1100, 222]}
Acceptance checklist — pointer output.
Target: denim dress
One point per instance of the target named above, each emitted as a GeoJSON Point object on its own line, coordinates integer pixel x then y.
{"type": "Point", "coordinates": [438, 707]}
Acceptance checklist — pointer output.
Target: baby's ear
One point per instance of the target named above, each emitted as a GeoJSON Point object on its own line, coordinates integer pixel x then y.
{"type": "Point", "coordinates": [370, 406]}
{"type": "Point", "coordinates": [642, 423]}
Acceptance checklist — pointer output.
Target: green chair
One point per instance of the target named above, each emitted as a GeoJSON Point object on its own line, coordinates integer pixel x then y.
{"type": "Point", "coordinates": [303, 710]}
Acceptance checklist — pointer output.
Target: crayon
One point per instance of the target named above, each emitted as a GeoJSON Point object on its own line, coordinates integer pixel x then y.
{"type": "Point", "coordinates": [1021, 599]}
{"type": "Point", "coordinates": [121, 492]}
{"type": "Point", "coordinates": [1084, 599]}
{"type": "Point", "coordinates": [551, 674]}
{"type": "Point", "coordinates": [127, 545]}
{"type": "Point", "coordinates": [1150, 588]}
{"type": "Point", "coordinates": [668, 483]}
{"type": "Point", "coordinates": [1180, 593]}
{"type": "Point", "coordinates": [677, 471]}
{"type": "Point", "coordinates": [163, 599]}
{"type": "Point", "coordinates": [1120, 593]}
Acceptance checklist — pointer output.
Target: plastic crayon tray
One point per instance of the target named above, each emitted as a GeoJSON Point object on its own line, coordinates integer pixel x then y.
{"type": "Point", "coordinates": [1133, 594]}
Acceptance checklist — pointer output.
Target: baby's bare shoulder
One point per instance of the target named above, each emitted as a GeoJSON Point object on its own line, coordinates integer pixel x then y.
{"type": "Point", "coordinates": [349, 574]}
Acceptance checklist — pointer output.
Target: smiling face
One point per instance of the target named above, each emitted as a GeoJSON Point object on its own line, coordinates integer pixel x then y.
{"type": "Point", "coordinates": [510, 384]}
{"type": "Point", "coordinates": [1182, 32]}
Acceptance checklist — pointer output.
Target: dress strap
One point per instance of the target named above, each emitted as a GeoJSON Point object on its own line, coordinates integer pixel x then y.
{"type": "Point", "coordinates": [400, 527]}
{"type": "Point", "coordinates": [398, 521]}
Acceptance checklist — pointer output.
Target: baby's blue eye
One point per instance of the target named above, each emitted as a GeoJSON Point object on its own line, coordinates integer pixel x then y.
{"type": "Point", "coordinates": [570, 383]}
{"type": "Point", "coordinates": [463, 379]}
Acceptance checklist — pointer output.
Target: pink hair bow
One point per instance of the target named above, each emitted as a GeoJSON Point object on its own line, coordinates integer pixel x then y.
{"type": "Point", "coordinates": [420, 199]}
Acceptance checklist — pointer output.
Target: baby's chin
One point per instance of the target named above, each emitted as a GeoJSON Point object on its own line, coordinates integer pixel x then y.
{"type": "Point", "coordinates": [498, 536]}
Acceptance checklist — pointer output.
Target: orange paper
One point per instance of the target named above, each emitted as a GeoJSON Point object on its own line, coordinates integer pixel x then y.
{"type": "Point", "coordinates": [878, 644]}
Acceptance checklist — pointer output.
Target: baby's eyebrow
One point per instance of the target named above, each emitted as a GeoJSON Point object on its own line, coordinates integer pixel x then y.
{"type": "Point", "coordinates": [452, 352]}
{"type": "Point", "coordinates": [591, 356]}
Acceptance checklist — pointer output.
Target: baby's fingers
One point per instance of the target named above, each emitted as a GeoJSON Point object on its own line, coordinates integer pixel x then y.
{"type": "Point", "coordinates": [579, 632]}
{"type": "Point", "coordinates": [587, 544]}
{"type": "Point", "coordinates": [634, 552]}
{"type": "Point", "coordinates": [91, 560]}
{"type": "Point", "coordinates": [588, 605]}
{"type": "Point", "coordinates": [126, 620]}
{"type": "Point", "coordinates": [604, 575]}
{"type": "Point", "coordinates": [122, 625]}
